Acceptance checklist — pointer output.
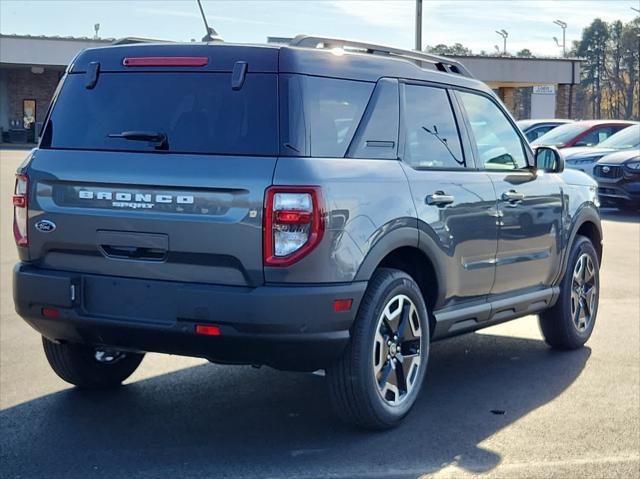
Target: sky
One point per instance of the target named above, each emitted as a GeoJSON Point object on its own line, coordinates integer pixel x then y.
{"type": "Point", "coordinates": [470, 22]}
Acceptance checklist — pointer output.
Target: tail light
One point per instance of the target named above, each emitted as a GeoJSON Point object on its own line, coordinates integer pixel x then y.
{"type": "Point", "coordinates": [20, 210]}
{"type": "Point", "coordinates": [293, 223]}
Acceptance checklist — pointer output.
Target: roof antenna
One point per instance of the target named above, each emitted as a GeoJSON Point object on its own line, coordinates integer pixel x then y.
{"type": "Point", "coordinates": [212, 35]}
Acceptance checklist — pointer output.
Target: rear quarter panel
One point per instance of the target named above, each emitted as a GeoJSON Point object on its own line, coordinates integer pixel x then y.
{"type": "Point", "coordinates": [365, 200]}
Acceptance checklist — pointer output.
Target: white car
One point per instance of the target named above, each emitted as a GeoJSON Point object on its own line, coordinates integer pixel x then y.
{"type": "Point", "coordinates": [585, 158]}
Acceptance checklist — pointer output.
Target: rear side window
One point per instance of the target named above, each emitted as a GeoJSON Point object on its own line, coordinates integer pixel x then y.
{"type": "Point", "coordinates": [197, 112]}
{"type": "Point", "coordinates": [320, 115]}
{"type": "Point", "coordinates": [431, 138]}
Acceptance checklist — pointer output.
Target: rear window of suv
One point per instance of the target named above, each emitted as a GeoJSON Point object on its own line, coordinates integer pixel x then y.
{"type": "Point", "coordinates": [197, 112]}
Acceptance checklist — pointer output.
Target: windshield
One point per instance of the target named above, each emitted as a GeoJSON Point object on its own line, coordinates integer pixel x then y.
{"type": "Point", "coordinates": [561, 135]}
{"type": "Point", "coordinates": [179, 112]}
{"type": "Point", "coordinates": [624, 139]}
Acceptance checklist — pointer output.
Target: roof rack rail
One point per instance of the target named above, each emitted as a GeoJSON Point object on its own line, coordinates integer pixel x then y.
{"type": "Point", "coordinates": [442, 64]}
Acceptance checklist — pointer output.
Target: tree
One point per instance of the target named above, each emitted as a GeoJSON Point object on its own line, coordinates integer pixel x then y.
{"type": "Point", "coordinates": [457, 49]}
{"type": "Point", "coordinates": [610, 70]}
{"type": "Point", "coordinates": [630, 59]}
{"type": "Point", "coordinates": [593, 47]}
{"type": "Point", "coordinates": [525, 53]}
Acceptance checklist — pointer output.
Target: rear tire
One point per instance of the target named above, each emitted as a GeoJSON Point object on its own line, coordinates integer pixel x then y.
{"type": "Point", "coordinates": [377, 380]}
{"type": "Point", "coordinates": [78, 364]}
{"type": "Point", "coordinates": [569, 323]}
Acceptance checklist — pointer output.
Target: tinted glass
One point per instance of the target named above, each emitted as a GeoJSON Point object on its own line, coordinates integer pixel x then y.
{"type": "Point", "coordinates": [596, 136]}
{"type": "Point", "coordinates": [536, 133]}
{"type": "Point", "coordinates": [499, 145]}
{"type": "Point", "coordinates": [198, 113]}
{"type": "Point", "coordinates": [320, 115]}
{"type": "Point", "coordinates": [625, 139]}
{"type": "Point", "coordinates": [562, 134]}
{"type": "Point", "coordinates": [430, 130]}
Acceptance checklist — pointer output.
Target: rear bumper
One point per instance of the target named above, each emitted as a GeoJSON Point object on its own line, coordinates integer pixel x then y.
{"type": "Point", "coordinates": [287, 327]}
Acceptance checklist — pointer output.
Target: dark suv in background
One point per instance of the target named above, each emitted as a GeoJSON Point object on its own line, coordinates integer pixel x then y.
{"type": "Point", "coordinates": [324, 205]}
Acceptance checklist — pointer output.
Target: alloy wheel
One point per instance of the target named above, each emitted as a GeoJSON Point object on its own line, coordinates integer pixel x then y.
{"type": "Point", "coordinates": [396, 351]}
{"type": "Point", "coordinates": [584, 292]}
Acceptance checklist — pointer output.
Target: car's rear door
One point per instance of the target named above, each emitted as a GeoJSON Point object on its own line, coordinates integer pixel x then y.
{"type": "Point", "coordinates": [455, 203]}
{"type": "Point", "coordinates": [185, 208]}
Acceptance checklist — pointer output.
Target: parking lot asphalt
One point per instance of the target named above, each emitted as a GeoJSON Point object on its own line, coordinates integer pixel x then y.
{"type": "Point", "coordinates": [498, 403]}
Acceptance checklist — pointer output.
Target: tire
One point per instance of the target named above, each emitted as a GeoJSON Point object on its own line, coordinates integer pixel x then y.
{"type": "Point", "coordinates": [77, 364]}
{"type": "Point", "coordinates": [563, 326]}
{"type": "Point", "coordinates": [361, 383]}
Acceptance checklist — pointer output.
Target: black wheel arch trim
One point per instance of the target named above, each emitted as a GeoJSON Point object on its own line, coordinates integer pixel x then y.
{"type": "Point", "coordinates": [399, 238]}
{"type": "Point", "coordinates": [586, 214]}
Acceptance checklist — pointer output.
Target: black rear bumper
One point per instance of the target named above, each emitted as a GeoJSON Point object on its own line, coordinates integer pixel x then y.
{"type": "Point", "coordinates": [287, 327]}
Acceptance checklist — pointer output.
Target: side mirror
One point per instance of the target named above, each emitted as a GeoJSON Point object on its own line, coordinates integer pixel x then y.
{"type": "Point", "coordinates": [549, 159]}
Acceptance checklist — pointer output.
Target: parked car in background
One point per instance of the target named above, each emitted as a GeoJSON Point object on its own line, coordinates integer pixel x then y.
{"type": "Point", "coordinates": [618, 177]}
{"type": "Point", "coordinates": [582, 133]}
{"type": "Point", "coordinates": [534, 129]}
{"type": "Point", "coordinates": [584, 158]}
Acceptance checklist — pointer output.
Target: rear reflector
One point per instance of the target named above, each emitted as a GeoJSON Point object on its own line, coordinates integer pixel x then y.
{"type": "Point", "coordinates": [207, 330]}
{"type": "Point", "coordinates": [50, 312]}
{"type": "Point", "coordinates": [165, 61]}
{"type": "Point", "coordinates": [342, 305]}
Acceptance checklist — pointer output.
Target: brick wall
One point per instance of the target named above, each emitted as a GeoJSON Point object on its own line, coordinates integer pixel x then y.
{"type": "Point", "coordinates": [24, 85]}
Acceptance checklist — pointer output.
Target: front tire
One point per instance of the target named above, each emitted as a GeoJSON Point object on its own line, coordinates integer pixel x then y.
{"type": "Point", "coordinates": [377, 380]}
{"type": "Point", "coordinates": [90, 368]}
{"type": "Point", "coordinates": [569, 323]}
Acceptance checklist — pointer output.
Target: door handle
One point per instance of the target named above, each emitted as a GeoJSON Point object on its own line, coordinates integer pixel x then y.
{"type": "Point", "coordinates": [439, 198]}
{"type": "Point", "coordinates": [512, 196]}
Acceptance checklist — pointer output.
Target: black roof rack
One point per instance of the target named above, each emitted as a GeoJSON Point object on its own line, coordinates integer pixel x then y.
{"type": "Point", "coordinates": [442, 64]}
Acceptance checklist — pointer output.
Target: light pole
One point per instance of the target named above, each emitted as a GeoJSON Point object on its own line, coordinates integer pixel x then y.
{"type": "Point", "coordinates": [562, 25]}
{"type": "Point", "coordinates": [637, 10]}
{"type": "Point", "coordinates": [504, 34]}
{"type": "Point", "coordinates": [418, 25]}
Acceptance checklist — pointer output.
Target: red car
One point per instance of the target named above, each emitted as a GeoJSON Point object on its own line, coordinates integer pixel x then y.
{"type": "Point", "coordinates": [581, 133]}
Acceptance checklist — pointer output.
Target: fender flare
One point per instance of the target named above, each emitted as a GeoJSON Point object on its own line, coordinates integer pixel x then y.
{"type": "Point", "coordinates": [398, 238]}
{"type": "Point", "coordinates": [586, 214]}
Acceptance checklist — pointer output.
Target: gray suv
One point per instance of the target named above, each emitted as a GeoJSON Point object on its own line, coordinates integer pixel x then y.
{"type": "Point", "coordinates": [322, 205]}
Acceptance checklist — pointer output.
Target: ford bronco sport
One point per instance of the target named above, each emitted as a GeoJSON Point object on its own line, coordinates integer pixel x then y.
{"type": "Point", "coordinates": [322, 205]}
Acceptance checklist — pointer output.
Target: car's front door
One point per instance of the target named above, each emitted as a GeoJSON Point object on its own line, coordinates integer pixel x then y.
{"type": "Point", "coordinates": [530, 202]}
{"type": "Point", "coordinates": [456, 205]}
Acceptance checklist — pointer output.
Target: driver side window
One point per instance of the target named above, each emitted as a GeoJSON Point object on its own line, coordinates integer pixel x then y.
{"type": "Point", "coordinates": [499, 146]}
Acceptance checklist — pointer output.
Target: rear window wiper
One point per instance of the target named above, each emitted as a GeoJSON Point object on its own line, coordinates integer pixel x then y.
{"type": "Point", "coordinates": [161, 140]}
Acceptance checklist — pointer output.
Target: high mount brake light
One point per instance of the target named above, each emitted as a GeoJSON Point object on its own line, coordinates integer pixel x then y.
{"type": "Point", "coordinates": [165, 61]}
{"type": "Point", "coordinates": [21, 210]}
{"type": "Point", "coordinates": [293, 223]}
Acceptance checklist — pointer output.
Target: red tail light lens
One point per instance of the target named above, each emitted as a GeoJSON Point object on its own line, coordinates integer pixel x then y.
{"type": "Point", "coordinates": [20, 210]}
{"type": "Point", "coordinates": [293, 223]}
{"type": "Point", "coordinates": [165, 61]}
{"type": "Point", "coordinates": [207, 330]}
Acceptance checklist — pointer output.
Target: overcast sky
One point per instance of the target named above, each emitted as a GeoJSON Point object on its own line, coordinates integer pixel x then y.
{"type": "Point", "coordinates": [470, 22]}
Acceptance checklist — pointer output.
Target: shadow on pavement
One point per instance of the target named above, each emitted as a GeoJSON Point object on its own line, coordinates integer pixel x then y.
{"type": "Point", "coordinates": [217, 421]}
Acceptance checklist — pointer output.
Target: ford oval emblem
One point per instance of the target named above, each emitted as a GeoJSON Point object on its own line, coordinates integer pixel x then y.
{"type": "Point", "coordinates": [606, 169]}
{"type": "Point", "coordinates": [45, 226]}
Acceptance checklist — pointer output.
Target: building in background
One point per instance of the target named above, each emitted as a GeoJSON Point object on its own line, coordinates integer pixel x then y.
{"type": "Point", "coordinates": [30, 68]}
{"type": "Point", "coordinates": [530, 87]}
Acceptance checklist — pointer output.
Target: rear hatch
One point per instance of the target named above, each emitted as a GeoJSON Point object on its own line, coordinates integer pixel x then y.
{"type": "Point", "coordinates": [154, 162]}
